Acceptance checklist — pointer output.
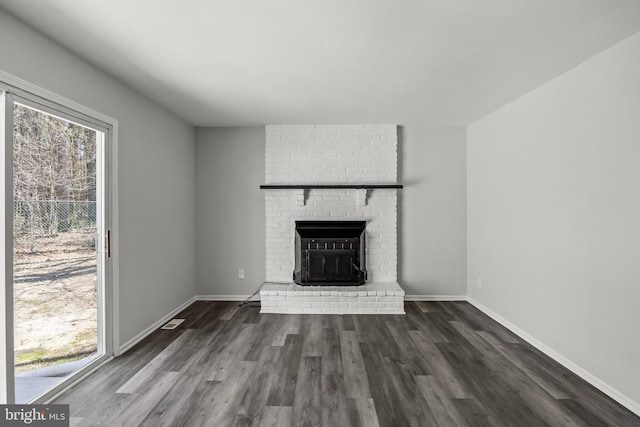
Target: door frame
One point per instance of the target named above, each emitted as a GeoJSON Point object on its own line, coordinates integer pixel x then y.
{"type": "Point", "coordinates": [10, 87]}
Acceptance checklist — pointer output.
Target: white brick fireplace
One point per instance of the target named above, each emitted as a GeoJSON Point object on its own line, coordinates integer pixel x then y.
{"type": "Point", "coordinates": [331, 154]}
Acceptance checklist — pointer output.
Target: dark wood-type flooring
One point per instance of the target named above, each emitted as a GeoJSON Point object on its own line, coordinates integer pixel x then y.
{"type": "Point", "coordinates": [441, 364]}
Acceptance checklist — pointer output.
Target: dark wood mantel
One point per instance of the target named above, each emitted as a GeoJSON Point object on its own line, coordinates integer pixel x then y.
{"type": "Point", "coordinates": [329, 186]}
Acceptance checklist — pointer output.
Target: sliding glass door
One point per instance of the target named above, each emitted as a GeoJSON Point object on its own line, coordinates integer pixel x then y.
{"type": "Point", "coordinates": [60, 246]}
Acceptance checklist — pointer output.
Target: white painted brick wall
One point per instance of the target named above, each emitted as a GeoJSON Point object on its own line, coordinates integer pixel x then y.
{"type": "Point", "coordinates": [331, 154]}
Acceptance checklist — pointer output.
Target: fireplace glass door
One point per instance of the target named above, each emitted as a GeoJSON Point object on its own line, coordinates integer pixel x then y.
{"type": "Point", "coordinates": [330, 266]}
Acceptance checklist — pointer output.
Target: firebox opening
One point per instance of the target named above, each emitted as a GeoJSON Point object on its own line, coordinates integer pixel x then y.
{"type": "Point", "coordinates": [330, 253]}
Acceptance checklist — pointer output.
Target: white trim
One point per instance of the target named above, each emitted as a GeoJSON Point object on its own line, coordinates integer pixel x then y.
{"type": "Point", "coordinates": [406, 297]}
{"type": "Point", "coordinates": [54, 97]}
{"type": "Point", "coordinates": [225, 297]}
{"type": "Point", "coordinates": [113, 221]}
{"type": "Point", "coordinates": [7, 383]}
{"type": "Point", "coordinates": [435, 297]}
{"type": "Point", "coordinates": [576, 369]}
{"type": "Point", "coordinates": [156, 325]}
{"type": "Point", "coordinates": [111, 177]}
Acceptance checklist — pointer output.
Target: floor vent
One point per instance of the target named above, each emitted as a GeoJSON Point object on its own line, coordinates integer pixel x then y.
{"type": "Point", "coordinates": [172, 324]}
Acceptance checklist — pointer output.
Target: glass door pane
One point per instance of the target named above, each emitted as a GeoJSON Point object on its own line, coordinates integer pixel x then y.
{"type": "Point", "coordinates": [57, 256]}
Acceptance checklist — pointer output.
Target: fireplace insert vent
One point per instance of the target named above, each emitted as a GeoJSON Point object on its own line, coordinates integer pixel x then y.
{"type": "Point", "coordinates": [330, 253]}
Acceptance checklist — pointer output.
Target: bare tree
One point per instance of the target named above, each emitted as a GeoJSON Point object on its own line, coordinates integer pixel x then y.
{"type": "Point", "coordinates": [54, 166]}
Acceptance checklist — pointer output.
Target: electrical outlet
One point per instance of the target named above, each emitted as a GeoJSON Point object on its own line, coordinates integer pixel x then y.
{"type": "Point", "coordinates": [479, 282]}
{"type": "Point", "coordinates": [241, 273]}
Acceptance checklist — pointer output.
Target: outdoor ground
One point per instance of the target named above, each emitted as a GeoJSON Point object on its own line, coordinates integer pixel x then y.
{"type": "Point", "coordinates": [55, 299]}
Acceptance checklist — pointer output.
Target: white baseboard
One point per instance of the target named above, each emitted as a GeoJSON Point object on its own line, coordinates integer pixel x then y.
{"type": "Point", "coordinates": [435, 297]}
{"type": "Point", "coordinates": [224, 297]}
{"type": "Point", "coordinates": [576, 369]}
{"type": "Point", "coordinates": [406, 297]}
{"type": "Point", "coordinates": [135, 340]}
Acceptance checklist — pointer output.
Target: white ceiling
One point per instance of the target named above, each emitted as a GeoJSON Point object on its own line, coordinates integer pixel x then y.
{"type": "Point", "coordinates": [243, 62]}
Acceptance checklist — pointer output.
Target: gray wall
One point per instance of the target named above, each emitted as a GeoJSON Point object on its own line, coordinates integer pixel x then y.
{"type": "Point", "coordinates": [554, 215]}
{"type": "Point", "coordinates": [230, 210]}
{"type": "Point", "coordinates": [230, 218]}
{"type": "Point", "coordinates": [432, 217]}
{"type": "Point", "coordinates": [156, 155]}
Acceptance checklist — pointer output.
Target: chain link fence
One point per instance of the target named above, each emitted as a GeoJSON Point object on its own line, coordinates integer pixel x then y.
{"type": "Point", "coordinates": [42, 218]}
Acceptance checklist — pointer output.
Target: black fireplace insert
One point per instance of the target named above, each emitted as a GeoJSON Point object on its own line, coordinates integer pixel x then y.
{"type": "Point", "coordinates": [330, 253]}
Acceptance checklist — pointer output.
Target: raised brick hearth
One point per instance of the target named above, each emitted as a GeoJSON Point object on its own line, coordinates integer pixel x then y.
{"type": "Point", "coordinates": [371, 298]}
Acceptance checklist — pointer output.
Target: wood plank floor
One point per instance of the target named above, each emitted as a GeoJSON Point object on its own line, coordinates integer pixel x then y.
{"type": "Point", "coordinates": [441, 364]}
